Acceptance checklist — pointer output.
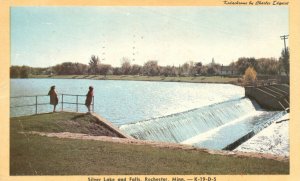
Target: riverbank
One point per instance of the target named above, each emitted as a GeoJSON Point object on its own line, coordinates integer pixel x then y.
{"type": "Point", "coordinates": [197, 79]}
{"type": "Point", "coordinates": [71, 144]}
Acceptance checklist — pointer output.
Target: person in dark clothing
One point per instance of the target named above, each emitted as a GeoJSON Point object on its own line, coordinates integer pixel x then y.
{"type": "Point", "coordinates": [89, 98]}
{"type": "Point", "coordinates": [53, 97]}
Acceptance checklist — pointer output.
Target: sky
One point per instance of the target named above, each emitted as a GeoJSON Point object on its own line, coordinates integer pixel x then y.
{"type": "Point", "coordinates": [46, 36]}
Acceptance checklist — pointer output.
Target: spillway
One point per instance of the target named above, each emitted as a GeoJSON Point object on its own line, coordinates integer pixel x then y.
{"type": "Point", "coordinates": [215, 126]}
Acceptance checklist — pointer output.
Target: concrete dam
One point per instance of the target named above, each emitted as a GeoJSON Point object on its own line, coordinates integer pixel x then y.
{"type": "Point", "coordinates": [271, 97]}
{"type": "Point", "coordinates": [218, 126]}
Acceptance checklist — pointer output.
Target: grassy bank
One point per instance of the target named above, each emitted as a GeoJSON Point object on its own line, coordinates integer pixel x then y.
{"type": "Point", "coordinates": [39, 155]}
{"type": "Point", "coordinates": [198, 79]}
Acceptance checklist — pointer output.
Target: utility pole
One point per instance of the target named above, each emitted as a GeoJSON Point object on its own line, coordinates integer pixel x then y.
{"type": "Point", "coordinates": [284, 37]}
{"type": "Point", "coordinates": [103, 48]}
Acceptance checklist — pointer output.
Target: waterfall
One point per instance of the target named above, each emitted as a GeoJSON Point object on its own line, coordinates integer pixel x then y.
{"type": "Point", "coordinates": [234, 132]}
{"type": "Point", "coordinates": [182, 126]}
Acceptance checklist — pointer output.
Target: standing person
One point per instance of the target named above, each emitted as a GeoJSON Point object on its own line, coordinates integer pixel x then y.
{"type": "Point", "coordinates": [53, 97]}
{"type": "Point", "coordinates": [89, 98]}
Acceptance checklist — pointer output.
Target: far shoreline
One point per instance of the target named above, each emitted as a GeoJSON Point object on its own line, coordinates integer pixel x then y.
{"type": "Point", "coordinates": [185, 79]}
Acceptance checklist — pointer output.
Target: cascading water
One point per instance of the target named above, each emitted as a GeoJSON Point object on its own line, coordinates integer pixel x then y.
{"type": "Point", "coordinates": [214, 126]}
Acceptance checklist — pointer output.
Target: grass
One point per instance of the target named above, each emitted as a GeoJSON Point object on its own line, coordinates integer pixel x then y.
{"type": "Point", "coordinates": [40, 155]}
{"type": "Point", "coordinates": [198, 79]}
{"type": "Point", "coordinates": [61, 122]}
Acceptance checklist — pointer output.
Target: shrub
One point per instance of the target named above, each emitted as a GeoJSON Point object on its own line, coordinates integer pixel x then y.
{"type": "Point", "coordinates": [250, 75]}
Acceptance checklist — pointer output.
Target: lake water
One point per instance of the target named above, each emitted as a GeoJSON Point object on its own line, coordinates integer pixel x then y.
{"type": "Point", "coordinates": [124, 102]}
{"type": "Point", "coordinates": [204, 115]}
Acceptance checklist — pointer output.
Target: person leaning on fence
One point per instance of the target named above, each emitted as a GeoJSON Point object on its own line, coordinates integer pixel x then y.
{"type": "Point", "coordinates": [89, 98]}
{"type": "Point", "coordinates": [53, 97]}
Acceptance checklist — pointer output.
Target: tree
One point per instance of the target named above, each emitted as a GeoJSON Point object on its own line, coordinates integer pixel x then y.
{"type": "Point", "coordinates": [211, 70]}
{"type": "Point", "coordinates": [80, 68]}
{"type": "Point", "coordinates": [195, 68]}
{"type": "Point", "coordinates": [179, 71]}
{"type": "Point", "coordinates": [199, 64]}
{"type": "Point", "coordinates": [250, 75]}
{"type": "Point", "coordinates": [285, 61]}
{"type": "Point", "coordinates": [104, 69]}
{"type": "Point", "coordinates": [185, 69]}
{"type": "Point", "coordinates": [125, 66]}
{"type": "Point", "coordinates": [204, 70]}
{"type": "Point", "coordinates": [39, 70]}
{"type": "Point", "coordinates": [151, 68]}
{"type": "Point", "coordinates": [267, 66]}
{"type": "Point", "coordinates": [168, 71]}
{"type": "Point", "coordinates": [68, 68]}
{"type": "Point", "coordinates": [14, 72]}
{"type": "Point", "coordinates": [135, 69]}
{"type": "Point", "coordinates": [116, 71]}
{"type": "Point", "coordinates": [243, 63]}
{"type": "Point", "coordinates": [24, 73]}
{"type": "Point", "coordinates": [232, 66]}
{"type": "Point", "coordinates": [93, 64]}
{"type": "Point", "coordinates": [57, 69]}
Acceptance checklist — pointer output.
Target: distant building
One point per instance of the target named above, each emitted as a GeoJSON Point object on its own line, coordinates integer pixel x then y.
{"type": "Point", "coordinates": [217, 69]}
{"type": "Point", "coordinates": [212, 63]}
{"type": "Point", "coordinates": [228, 70]}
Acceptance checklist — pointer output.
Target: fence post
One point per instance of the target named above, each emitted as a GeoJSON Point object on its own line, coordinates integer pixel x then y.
{"type": "Point", "coordinates": [62, 102]}
{"type": "Point", "coordinates": [76, 103]}
{"type": "Point", "coordinates": [35, 104]}
{"type": "Point", "coordinates": [93, 103]}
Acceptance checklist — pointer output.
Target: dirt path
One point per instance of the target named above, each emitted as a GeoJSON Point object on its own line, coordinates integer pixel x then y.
{"type": "Point", "coordinates": [175, 146]}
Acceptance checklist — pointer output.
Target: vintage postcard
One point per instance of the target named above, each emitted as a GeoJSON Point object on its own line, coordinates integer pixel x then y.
{"type": "Point", "coordinates": [149, 91]}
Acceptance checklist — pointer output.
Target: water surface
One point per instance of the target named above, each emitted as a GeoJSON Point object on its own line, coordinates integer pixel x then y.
{"type": "Point", "coordinates": [204, 115]}
{"type": "Point", "coordinates": [123, 102]}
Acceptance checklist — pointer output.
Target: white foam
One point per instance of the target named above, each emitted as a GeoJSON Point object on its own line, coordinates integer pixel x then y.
{"type": "Point", "coordinates": [211, 133]}
{"type": "Point", "coordinates": [273, 139]}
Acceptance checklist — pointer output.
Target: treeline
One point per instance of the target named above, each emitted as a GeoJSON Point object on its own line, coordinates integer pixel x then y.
{"type": "Point", "coordinates": [20, 71]}
{"type": "Point", "coordinates": [263, 66]}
